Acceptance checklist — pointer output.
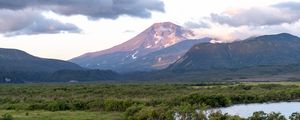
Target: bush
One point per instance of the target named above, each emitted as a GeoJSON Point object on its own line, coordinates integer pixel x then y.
{"type": "Point", "coordinates": [153, 113]}
{"type": "Point", "coordinates": [96, 105]}
{"type": "Point", "coordinates": [210, 100]}
{"type": "Point", "coordinates": [79, 105]}
{"type": "Point", "coordinates": [218, 116]}
{"type": "Point", "coordinates": [131, 111]}
{"type": "Point", "coordinates": [6, 116]}
{"type": "Point", "coordinates": [295, 116]}
{"type": "Point", "coordinates": [37, 106]}
{"type": "Point", "coordinates": [59, 105]}
{"type": "Point", "coordinates": [117, 105]}
{"type": "Point", "coordinates": [260, 115]}
{"type": "Point", "coordinates": [275, 116]}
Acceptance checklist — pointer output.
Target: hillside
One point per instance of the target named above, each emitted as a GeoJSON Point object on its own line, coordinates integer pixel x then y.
{"type": "Point", "coordinates": [17, 60]}
{"type": "Point", "coordinates": [280, 49]}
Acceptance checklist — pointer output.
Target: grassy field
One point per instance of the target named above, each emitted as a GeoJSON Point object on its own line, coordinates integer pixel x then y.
{"type": "Point", "coordinates": [63, 115]}
{"type": "Point", "coordinates": [138, 101]}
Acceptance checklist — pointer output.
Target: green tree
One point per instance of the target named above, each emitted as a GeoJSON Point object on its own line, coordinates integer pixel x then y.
{"type": "Point", "coordinates": [295, 116]}
{"type": "Point", "coordinates": [6, 116]}
{"type": "Point", "coordinates": [275, 116]}
{"type": "Point", "coordinates": [260, 115]}
{"type": "Point", "coordinates": [218, 116]}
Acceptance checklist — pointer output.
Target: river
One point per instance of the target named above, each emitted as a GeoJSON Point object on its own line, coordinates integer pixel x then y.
{"type": "Point", "coordinates": [246, 110]}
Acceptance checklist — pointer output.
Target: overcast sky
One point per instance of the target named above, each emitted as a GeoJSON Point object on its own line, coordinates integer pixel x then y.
{"type": "Point", "coordinates": [64, 29]}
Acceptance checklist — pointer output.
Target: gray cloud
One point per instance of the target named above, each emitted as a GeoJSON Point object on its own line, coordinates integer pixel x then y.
{"type": "Point", "coordinates": [260, 16]}
{"type": "Point", "coordinates": [293, 6]}
{"type": "Point", "coordinates": [198, 24]}
{"type": "Point", "coordinates": [26, 22]}
{"type": "Point", "coordinates": [94, 9]}
{"type": "Point", "coordinates": [25, 16]}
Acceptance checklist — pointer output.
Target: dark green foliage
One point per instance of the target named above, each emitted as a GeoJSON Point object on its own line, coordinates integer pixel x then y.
{"type": "Point", "coordinates": [117, 105]}
{"type": "Point", "coordinates": [58, 105]}
{"type": "Point", "coordinates": [275, 116]}
{"type": "Point", "coordinates": [152, 113]}
{"type": "Point", "coordinates": [211, 100]}
{"type": "Point", "coordinates": [295, 116]}
{"type": "Point", "coordinates": [6, 117]}
{"type": "Point", "coordinates": [145, 101]}
{"type": "Point", "coordinates": [131, 111]}
{"type": "Point", "coordinates": [260, 115]}
{"type": "Point", "coordinates": [220, 116]}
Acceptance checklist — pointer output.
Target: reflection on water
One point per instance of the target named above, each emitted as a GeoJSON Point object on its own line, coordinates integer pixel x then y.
{"type": "Point", "coordinates": [246, 110]}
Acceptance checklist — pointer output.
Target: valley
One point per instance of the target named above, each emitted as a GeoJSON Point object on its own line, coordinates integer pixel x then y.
{"type": "Point", "coordinates": [149, 60]}
{"type": "Point", "coordinates": [134, 101]}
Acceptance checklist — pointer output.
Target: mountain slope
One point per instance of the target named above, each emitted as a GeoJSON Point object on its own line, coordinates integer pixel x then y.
{"type": "Point", "coordinates": [162, 58]}
{"type": "Point", "coordinates": [280, 49]}
{"type": "Point", "coordinates": [154, 38]}
{"type": "Point", "coordinates": [17, 60]}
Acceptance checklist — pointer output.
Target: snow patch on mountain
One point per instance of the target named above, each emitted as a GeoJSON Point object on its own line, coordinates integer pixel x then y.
{"type": "Point", "coordinates": [133, 56]}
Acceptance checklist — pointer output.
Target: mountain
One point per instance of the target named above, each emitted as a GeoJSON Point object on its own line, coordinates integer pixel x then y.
{"type": "Point", "coordinates": [279, 49]}
{"type": "Point", "coordinates": [17, 60]}
{"type": "Point", "coordinates": [163, 58]}
{"type": "Point", "coordinates": [156, 37]}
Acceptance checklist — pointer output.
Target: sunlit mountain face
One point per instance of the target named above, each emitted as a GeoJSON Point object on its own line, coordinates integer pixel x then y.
{"type": "Point", "coordinates": [157, 37]}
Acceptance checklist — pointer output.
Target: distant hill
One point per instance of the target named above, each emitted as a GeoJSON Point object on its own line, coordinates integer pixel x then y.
{"type": "Point", "coordinates": [279, 49]}
{"type": "Point", "coordinates": [17, 60]}
{"type": "Point", "coordinates": [83, 75]}
{"type": "Point", "coordinates": [155, 38]}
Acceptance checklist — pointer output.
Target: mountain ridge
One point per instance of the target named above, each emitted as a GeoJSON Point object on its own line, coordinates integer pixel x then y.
{"type": "Point", "coordinates": [163, 58]}
{"type": "Point", "coordinates": [278, 49]}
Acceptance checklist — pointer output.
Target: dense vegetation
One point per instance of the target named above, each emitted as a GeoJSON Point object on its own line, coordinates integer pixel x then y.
{"type": "Point", "coordinates": [188, 115]}
{"type": "Point", "coordinates": [140, 101]}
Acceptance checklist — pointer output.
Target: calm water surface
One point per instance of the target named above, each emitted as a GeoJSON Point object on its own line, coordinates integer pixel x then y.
{"type": "Point", "coordinates": [246, 110]}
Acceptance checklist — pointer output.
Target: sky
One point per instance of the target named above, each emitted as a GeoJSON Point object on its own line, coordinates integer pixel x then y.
{"type": "Point", "coordinates": [66, 29]}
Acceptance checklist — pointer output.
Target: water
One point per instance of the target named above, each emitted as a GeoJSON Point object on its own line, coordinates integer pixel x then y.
{"type": "Point", "coordinates": [246, 110]}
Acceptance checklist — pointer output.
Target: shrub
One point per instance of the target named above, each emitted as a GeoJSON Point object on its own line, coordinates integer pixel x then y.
{"type": "Point", "coordinates": [210, 100]}
{"type": "Point", "coordinates": [260, 115]}
{"type": "Point", "coordinates": [117, 105]}
{"type": "Point", "coordinates": [37, 106]}
{"type": "Point", "coordinates": [275, 116]}
{"type": "Point", "coordinates": [79, 105]}
{"type": "Point", "coordinates": [153, 113]}
{"type": "Point", "coordinates": [295, 116]}
{"type": "Point", "coordinates": [131, 111]}
{"type": "Point", "coordinates": [6, 116]}
{"type": "Point", "coordinates": [59, 105]}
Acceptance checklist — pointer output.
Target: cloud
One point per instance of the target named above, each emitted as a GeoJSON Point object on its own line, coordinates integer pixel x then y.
{"type": "Point", "coordinates": [238, 24]}
{"type": "Point", "coordinates": [28, 22]}
{"type": "Point", "coordinates": [260, 16]}
{"type": "Point", "coordinates": [94, 9]}
{"type": "Point", "coordinates": [293, 6]}
{"type": "Point", "coordinates": [196, 24]}
{"type": "Point", "coordinates": [20, 17]}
